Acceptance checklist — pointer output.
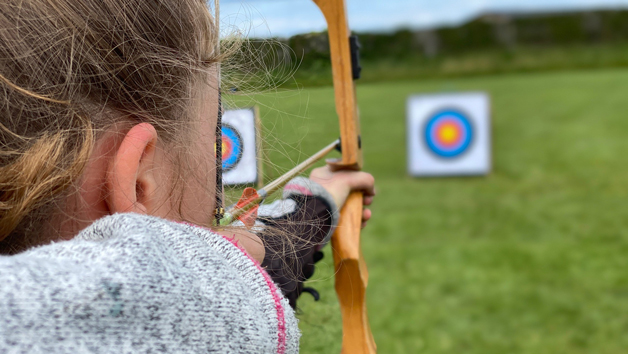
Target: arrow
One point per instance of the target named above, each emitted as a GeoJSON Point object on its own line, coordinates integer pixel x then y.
{"type": "Point", "coordinates": [245, 209]}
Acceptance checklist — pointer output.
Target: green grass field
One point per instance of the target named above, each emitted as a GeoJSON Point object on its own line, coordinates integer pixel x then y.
{"type": "Point", "coordinates": [530, 259]}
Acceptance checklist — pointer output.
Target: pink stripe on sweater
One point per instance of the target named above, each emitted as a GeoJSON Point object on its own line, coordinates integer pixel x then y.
{"type": "Point", "coordinates": [281, 320]}
{"type": "Point", "coordinates": [298, 188]}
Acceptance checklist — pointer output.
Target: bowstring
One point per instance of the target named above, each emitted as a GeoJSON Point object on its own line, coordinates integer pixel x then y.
{"type": "Point", "coordinates": [219, 212]}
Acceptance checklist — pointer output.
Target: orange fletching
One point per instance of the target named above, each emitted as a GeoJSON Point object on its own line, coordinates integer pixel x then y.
{"type": "Point", "coordinates": [248, 218]}
{"type": "Point", "coordinates": [248, 196]}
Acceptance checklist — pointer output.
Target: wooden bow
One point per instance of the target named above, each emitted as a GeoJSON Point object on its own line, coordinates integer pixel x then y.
{"type": "Point", "coordinates": [351, 273]}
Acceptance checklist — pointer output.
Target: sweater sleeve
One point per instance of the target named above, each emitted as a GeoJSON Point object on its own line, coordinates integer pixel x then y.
{"type": "Point", "coordinates": [131, 283]}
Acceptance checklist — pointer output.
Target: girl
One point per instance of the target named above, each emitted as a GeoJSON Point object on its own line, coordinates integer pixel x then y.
{"type": "Point", "coordinates": [108, 109]}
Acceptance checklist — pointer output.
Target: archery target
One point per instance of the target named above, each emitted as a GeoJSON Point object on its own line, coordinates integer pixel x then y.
{"type": "Point", "coordinates": [448, 134]}
{"type": "Point", "coordinates": [240, 150]}
{"type": "Point", "coordinates": [231, 147]}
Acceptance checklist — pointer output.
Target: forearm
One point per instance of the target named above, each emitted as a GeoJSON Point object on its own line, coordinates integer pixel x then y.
{"type": "Point", "coordinates": [294, 229]}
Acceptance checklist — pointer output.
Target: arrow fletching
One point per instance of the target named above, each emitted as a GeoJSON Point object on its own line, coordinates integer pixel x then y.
{"type": "Point", "coordinates": [249, 203]}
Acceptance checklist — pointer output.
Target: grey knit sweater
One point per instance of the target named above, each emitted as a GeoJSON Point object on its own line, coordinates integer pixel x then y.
{"type": "Point", "coordinates": [139, 284]}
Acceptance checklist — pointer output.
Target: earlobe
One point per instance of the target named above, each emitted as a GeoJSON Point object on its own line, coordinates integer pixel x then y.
{"type": "Point", "coordinates": [130, 176]}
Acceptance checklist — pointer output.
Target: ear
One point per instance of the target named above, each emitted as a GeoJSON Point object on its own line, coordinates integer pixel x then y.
{"type": "Point", "coordinates": [130, 175]}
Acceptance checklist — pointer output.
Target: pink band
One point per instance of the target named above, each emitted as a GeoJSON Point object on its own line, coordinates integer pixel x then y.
{"type": "Point", "coordinates": [298, 188]}
{"type": "Point", "coordinates": [281, 320]}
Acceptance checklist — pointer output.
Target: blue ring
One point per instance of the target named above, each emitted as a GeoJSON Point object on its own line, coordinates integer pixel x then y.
{"type": "Point", "coordinates": [468, 137]}
{"type": "Point", "coordinates": [232, 160]}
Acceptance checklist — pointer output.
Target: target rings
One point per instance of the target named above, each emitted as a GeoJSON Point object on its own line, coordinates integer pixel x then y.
{"type": "Point", "coordinates": [231, 147]}
{"type": "Point", "coordinates": [448, 133]}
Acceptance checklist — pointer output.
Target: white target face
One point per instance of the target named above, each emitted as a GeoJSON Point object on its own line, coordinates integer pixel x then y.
{"type": "Point", "coordinates": [239, 147]}
{"type": "Point", "coordinates": [449, 134]}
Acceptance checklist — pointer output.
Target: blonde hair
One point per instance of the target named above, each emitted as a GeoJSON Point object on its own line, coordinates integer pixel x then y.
{"type": "Point", "coordinates": [71, 68]}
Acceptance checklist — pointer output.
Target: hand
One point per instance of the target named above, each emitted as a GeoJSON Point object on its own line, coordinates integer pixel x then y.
{"type": "Point", "coordinates": [341, 183]}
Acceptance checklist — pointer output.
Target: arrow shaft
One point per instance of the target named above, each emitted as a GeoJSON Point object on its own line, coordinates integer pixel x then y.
{"type": "Point", "coordinates": [277, 184]}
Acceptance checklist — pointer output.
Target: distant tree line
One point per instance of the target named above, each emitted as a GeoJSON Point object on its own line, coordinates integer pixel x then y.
{"type": "Point", "coordinates": [490, 31]}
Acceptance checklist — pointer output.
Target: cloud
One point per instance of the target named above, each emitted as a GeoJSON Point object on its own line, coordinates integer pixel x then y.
{"type": "Point", "coordinates": [283, 18]}
{"type": "Point", "coordinates": [272, 18]}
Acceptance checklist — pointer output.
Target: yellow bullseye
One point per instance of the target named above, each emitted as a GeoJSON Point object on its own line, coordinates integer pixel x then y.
{"type": "Point", "coordinates": [224, 148]}
{"type": "Point", "coordinates": [448, 134]}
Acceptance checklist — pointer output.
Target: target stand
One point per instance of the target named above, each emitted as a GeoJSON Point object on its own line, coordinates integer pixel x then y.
{"type": "Point", "coordinates": [448, 134]}
{"type": "Point", "coordinates": [241, 147]}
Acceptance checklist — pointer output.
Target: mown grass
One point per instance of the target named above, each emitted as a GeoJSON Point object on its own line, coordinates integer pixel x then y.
{"type": "Point", "coordinates": [530, 259]}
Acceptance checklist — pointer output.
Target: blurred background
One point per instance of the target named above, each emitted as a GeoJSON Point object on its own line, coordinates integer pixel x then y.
{"type": "Point", "coordinates": [529, 259]}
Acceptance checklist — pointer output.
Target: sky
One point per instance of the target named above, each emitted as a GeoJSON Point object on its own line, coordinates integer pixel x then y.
{"type": "Point", "coordinates": [284, 18]}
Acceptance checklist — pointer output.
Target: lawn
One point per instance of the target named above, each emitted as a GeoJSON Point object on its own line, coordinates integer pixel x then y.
{"type": "Point", "coordinates": [530, 259]}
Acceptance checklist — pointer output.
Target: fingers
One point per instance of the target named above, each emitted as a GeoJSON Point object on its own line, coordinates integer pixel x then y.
{"type": "Point", "coordinates": [366, 213]}
{"type": "Point", "coordinates": [366, 216]}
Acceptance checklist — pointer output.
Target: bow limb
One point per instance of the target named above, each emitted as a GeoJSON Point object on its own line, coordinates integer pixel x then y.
{"type": "Point", "coordinates": [351, 272]}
